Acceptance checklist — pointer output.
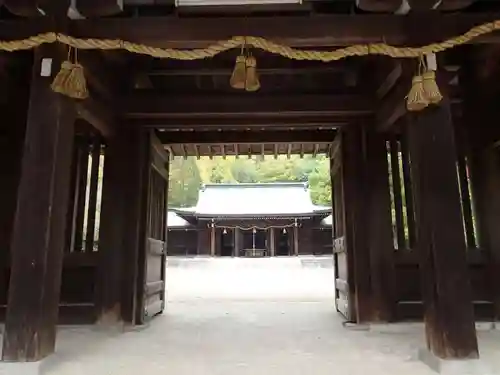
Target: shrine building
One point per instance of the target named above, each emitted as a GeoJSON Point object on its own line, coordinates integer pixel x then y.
{"type": "Point", "coordinates": [251, 220]}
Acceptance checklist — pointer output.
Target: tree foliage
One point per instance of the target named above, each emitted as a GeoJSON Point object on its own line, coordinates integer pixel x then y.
{"type": "Point", "coordinates": [185, 182]}
{"type": "Point", "coordinates": [187, 175]}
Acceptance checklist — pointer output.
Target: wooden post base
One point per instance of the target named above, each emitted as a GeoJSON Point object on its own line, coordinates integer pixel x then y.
{"type": "Point", "coordinates": [473, 366]}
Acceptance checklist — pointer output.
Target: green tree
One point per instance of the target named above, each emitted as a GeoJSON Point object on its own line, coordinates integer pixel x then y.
{"type": "Point", "coordinates": [184, 182]}
{"type": "Point", "coordinates": [319, 183]}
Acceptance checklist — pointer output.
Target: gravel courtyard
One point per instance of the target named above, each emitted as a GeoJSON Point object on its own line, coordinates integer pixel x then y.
{"type": "Point", "coordinates": [246, 316]}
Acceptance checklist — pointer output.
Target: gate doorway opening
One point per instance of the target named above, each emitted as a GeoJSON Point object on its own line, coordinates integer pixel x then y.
{"type": "Point", "coordinates": [283, 243]}
{"type": "Point", "coordinates": [227, 243]}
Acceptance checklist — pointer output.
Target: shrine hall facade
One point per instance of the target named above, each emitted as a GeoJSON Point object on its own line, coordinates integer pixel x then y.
{"type": "Point", "coordinates": [251, 220]}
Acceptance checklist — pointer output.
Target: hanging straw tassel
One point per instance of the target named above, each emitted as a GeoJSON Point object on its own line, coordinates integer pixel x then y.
{"type": "Point", "coordinates": [431, 88]}
{"type": "Point", "coordinates": [238, 78]}
{"type": "Point", "coordinates": [70, 80]}
{"type": "Point", "coordinates": [416, 99]}
{"type": "Point", "coordinates": [252, 82]}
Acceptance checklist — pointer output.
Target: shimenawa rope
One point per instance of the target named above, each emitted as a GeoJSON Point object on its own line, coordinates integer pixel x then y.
{"type": "Point", "coordinates": [210, 51]}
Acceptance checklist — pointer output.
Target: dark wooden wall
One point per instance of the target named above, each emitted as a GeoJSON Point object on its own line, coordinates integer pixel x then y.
{"type": "Point", "coordinates": [78, 286]}
{"type": "Point", "coordinates": [406, 271]}
{"type": "Point", "coordinates": [183, 242]}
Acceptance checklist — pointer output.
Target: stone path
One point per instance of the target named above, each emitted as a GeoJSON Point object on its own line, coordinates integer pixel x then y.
{"type": "Point", "coordinates": [238, 317]}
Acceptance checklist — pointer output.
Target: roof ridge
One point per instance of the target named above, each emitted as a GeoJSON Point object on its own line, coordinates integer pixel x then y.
{"type": "Point", "coordinates": [304, 184]}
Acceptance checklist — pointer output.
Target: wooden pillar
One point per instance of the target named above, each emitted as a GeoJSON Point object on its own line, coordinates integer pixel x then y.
{"type": "Point", "coordinates": [212, 241]}
{"type": "Point", "coordinates": [295, 240]}
{"type": "Point", "coordinates": [449, 317]}
{"type": "Point", "coordinates": [12, 132]}
{"type": "Point", "coordinates": [113, 230]}
{"type": "Point", "coordinates": [379, 225]}
{"type": "Point", "coordinates": [38, 234]}
{"type": "Point", "coordinates": [204, 235]}
{"type": "Point", "coordinates": [136, 213]}
{"type": "Point", "coordinates": [236, 247]}
{"type": "Point", "coordinates": [272, 242]}
{"type": "Point", "coordinates": [354, 191]}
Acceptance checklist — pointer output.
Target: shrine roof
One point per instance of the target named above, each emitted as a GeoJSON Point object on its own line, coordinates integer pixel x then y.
{"type": "Point", "coordinates": [175, 221]}
{"type": "Point", "coordinates": [254, 200]}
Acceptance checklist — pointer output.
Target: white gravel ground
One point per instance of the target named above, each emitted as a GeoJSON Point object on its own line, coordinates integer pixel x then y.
{"type": "Point", "coordinates": [244, 316]}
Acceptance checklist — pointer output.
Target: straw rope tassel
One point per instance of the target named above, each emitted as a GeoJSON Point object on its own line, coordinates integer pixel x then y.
{"type": "Point", "coordinates": [238, 78]}
{"type": "Point", "coordinates": [430, 86]}
{"type": "Point", "coordinates": [417, 100]}
{"type": "Point", "coordinates": [70, 80]}
{"type": "Point", "coordinates": [252, 82]}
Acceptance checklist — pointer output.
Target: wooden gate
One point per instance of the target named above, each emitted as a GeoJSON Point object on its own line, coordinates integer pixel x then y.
{"type": "Point", "coordinates": [152, 262]}
{"type": "Point", "coordinates": [343, 294]}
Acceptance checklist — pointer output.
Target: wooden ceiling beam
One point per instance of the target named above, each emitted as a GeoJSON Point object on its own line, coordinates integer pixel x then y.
{"type": "Point", "coordinates": [448, 5]}
{"type": "Point", "coordinates": [234, 122]}
{"type": "Point", "coordinates": [245, 137]}
{"type": "Point", "coordinates": [389, 6]}
{"type": "Point", "coordinates": [97, 115]}
{"type": "Point", "coordinates": [99, 8]}
{"type": "Point", "coordinates": [186, 70]}
{"type": "Point", "coordinates": [246, 105]}
{"type": "Point", "coordinates": [394, 73]}
{"type": "Point", "coordinates": [296, 31]}
{"type": "Point", "coordinates": [24, 8]}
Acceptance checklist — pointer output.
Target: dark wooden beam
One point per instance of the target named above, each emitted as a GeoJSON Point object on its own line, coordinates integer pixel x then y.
{"type": "Point", "coordinates": [24, 8]}
{"type": "Point", "coordinates": [395, 71]}
{"type": "Point", "coordinates": [379, 5]}
{"type": "Point", "coordinates": [247, 137]}
{"type": "Point", "coordinates": [176, 106]}
{"type": "Point", "coordinates": [297, 31]}
{"type": "Point", "coordinates": [393, 106]}
{"type": "Point", "coordinates": [98, 8]}
{"type": "Point", "coordinates": [448, 5]}
{"type": "Point", "coordinates": [235, 122]}
{"type": "Point", "coordinates": [98, 115]}
{"type": "Point", "coordinates": [42, 202]}
{"type": "Point", "coordinates": [190, 69]}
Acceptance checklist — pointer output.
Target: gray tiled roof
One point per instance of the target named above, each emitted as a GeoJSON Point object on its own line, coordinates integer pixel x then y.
{"type": "Point", "coordinates": [254, 200]}
{"type": "Point", "coordinates": [175, 221]}
{"type": "Point", "coordinates": [327, 221]}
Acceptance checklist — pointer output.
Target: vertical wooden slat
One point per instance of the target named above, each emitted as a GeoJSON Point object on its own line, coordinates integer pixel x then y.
{"type": "Point", "coordinates": [410, 211]}
{"type": "Point", "coordinates": [38, 235]}
{"type": "Point", "coordinates": [446, 290]}
{"type": "Point", "coordinates": [396, 188]}
{"type": "Point", "coordinates": [70, 229]}
{"type": "Point", "coordinates": [466, 202]}
{"type": "Point", "coordinates": [92, 205]}
{"type": "Point", "coordinates": [80, 196]}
